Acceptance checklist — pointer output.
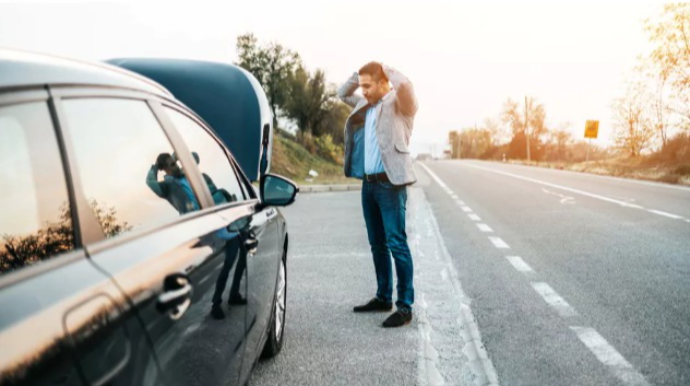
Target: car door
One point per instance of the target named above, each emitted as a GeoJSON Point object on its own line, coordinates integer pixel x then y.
{"type": "Point", "coordinates": [262, 270]}
{"type": "Point", "coordinates": [257, 229]}
{"type": "Point", "coordinates": [63, 321]}
{"type": "Point", "coordinates": [164, 245]}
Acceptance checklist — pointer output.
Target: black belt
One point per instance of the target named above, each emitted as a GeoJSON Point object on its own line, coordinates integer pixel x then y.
{"type": "Point", "coordinates": [380, 177]}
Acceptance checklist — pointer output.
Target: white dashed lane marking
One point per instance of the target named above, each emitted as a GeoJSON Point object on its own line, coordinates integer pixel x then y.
{"type": "Point", "coordinates": [498, 242]}
{"type": "Point", "coordinates": [603, 351]}
{"type": "Point", "coordinates": [484, 228]}
{"type": "Point", "coordinates": [519, 264]}
{"type": "Point", "coordinates": [554, 300]}
{"type": "Point", "coordinates": [609, 356]}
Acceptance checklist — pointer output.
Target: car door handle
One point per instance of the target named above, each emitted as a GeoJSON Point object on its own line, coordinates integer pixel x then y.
{"type": "Point", "coordinates": [252, 245]}
{"type": "Point", "coordinates": [176, 297]}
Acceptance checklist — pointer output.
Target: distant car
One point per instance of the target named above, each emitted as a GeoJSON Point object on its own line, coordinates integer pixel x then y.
{"type": "Point", "coordinates": [424, 157]}
{"type": "Point", "coordinates": [133, 249]}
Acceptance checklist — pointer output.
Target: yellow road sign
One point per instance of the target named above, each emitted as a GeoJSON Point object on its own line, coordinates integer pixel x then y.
{"type": "Point", "coordinates": [591, 129]}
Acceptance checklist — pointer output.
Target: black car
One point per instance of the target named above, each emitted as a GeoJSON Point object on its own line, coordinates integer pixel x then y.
{"type": "Point", "coordinates": [133, 248]}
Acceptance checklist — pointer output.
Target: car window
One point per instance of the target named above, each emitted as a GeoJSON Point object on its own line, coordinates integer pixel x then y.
{"type": "Point", "coordinates": [127, 165]}
{"type": "Point", "coordinates": [35, 217]}
{"type": "Point", "coordinates": [215, 166]}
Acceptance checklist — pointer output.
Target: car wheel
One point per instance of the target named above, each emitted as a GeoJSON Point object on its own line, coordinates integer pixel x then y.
{"type": "Point", "coordinates": [274, 342]}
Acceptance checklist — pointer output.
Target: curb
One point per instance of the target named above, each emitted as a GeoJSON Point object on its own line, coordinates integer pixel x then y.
{"type": "Point", "coordinates": [328, 188]}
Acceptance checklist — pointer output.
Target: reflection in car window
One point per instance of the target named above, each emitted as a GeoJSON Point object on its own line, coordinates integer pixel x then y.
{"type": "Point", "coordinates": [127, 165]}
{"type": "Point", "coordinates": [35, 217]}
{"type": "Point", "coordinates": [214, 164]}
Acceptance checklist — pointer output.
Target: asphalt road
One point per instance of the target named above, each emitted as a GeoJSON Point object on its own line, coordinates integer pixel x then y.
{"type": "Point", "coordinates": [536, 276]}
{"type": "Point", "coordinates": [587, 279]}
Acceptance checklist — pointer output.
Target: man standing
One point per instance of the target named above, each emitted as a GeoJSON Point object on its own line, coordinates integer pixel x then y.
{"type": "Point", "coordinates": [377, 134]}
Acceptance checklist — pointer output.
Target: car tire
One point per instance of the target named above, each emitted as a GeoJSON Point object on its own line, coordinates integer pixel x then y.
{"type": "Point", "coordinates": [276, 329]}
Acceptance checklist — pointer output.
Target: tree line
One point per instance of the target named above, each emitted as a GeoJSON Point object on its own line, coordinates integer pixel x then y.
{"type": "Point", "coordinates": [520, 131]}
{"type": "Point", "coordinates": [651, 117]}
{"type": "Point", "coordinates": [296, 94]}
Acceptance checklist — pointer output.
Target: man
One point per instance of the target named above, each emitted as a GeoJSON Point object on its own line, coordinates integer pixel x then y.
{"type": "Point", "coordinates": [377, 134]}
{"type": "Point", "coordinates": [175, 187]}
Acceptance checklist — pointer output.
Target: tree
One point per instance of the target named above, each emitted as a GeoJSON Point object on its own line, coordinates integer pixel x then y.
{"type": "Point", "coordinates": [535, 127]}
{"type": "Point", "coordinates": [314, 106]}
{"type": "Point", "coordinates": [272, 65]}
{"type": "Point", "coordinates": [559, 140]}
{"type": "Point", "coordinates": [670, 57]}
{"type": "Point", "coordinates": [53, 238]}
{"type": "Point", "coordinates": [654, 90]}
{"type": "Point", "coordinates": [634, 130]}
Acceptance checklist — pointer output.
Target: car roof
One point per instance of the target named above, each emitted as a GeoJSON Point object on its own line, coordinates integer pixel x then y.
{"type": "Point", "coordinates": [20, 69]}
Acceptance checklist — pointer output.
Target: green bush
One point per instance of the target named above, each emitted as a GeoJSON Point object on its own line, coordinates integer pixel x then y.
{"type": "Point", "coordinates": [328, 150]}
{"type": "Point", "coordinates": [307, 141]}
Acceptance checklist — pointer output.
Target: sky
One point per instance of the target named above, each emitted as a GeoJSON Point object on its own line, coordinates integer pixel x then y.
{"type": "Point", "coordinates": [464, 58]}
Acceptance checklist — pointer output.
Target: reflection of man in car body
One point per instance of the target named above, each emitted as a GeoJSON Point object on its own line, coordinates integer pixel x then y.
{"type": "Point", "coordinates": [234, 252]}
{"type": "Point", "coordinates": [175, 187]}
{"type": "Point", "coordinates": [377, 134]}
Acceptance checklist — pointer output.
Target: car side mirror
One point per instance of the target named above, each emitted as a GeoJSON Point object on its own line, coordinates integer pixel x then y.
{"type": "Point", "coordinates": [277, 191]}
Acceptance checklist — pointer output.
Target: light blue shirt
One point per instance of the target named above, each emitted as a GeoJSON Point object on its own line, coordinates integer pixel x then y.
{"type": "Point", "coordinates": [372, 153]}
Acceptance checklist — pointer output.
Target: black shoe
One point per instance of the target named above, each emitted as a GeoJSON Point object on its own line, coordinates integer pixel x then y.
{"type": "Point", "coordinates": [217, 312]}
{"type": "Point", "coordinates": [374, 305]}
{"type": "Point", "coordinates": [237, 300]}
{"type": "Point", "coordinates": [399, 318]}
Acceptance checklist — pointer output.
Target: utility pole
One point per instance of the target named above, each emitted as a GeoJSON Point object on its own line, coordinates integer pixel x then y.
{"type": "Point", "coordinates": [527, 129]}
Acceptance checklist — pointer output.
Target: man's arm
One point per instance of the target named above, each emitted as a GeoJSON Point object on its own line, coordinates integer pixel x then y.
{"type": "Point", "coordinates": [346, 92]}
{"type": "Point", "coordinates": [152, 182]}
{"type": "Point", "coordinates": [407, 101]}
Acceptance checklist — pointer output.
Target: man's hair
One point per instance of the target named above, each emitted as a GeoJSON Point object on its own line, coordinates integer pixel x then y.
{"type": "Point", "coordinates": [162, 160]}
{"type": "Point", "coordinates": [375, 70]}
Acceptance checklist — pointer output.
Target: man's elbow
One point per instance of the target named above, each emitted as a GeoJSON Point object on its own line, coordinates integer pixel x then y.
{"type": "Point", "coordinates": [407, 100]}
{"type": "Point", "coordinates": [342, 93]}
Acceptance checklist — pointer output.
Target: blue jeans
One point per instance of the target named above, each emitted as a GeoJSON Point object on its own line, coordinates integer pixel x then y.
{"type": "Point", "coordinates": [384, 214]}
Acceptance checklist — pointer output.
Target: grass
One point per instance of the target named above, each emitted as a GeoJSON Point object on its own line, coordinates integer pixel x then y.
{"type": "Point", "coordinates": [292, 160]}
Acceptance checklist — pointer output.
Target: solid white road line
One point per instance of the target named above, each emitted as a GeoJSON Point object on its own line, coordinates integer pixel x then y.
{"type": "Point", "coordinates": [498, 242]}
{"type": "Point", "coordinates": [519, 264]}
{"type": "Point", "coordinates": [665, 214]}
{"type": "Point", "coordinates": [473, 217]}
{"type": "Point", "coordinates": [434, 177]}
{"type": "Point", "coordinates": [484, 228]}
{"type": "Point", "coordinates": [609, 356]}
{"type": "Point", "coordinates": [581, 192]}
{"type": "Point", "coordinates": [454, 196]}
{"type": "Point", "coordinates": [554, 300]}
